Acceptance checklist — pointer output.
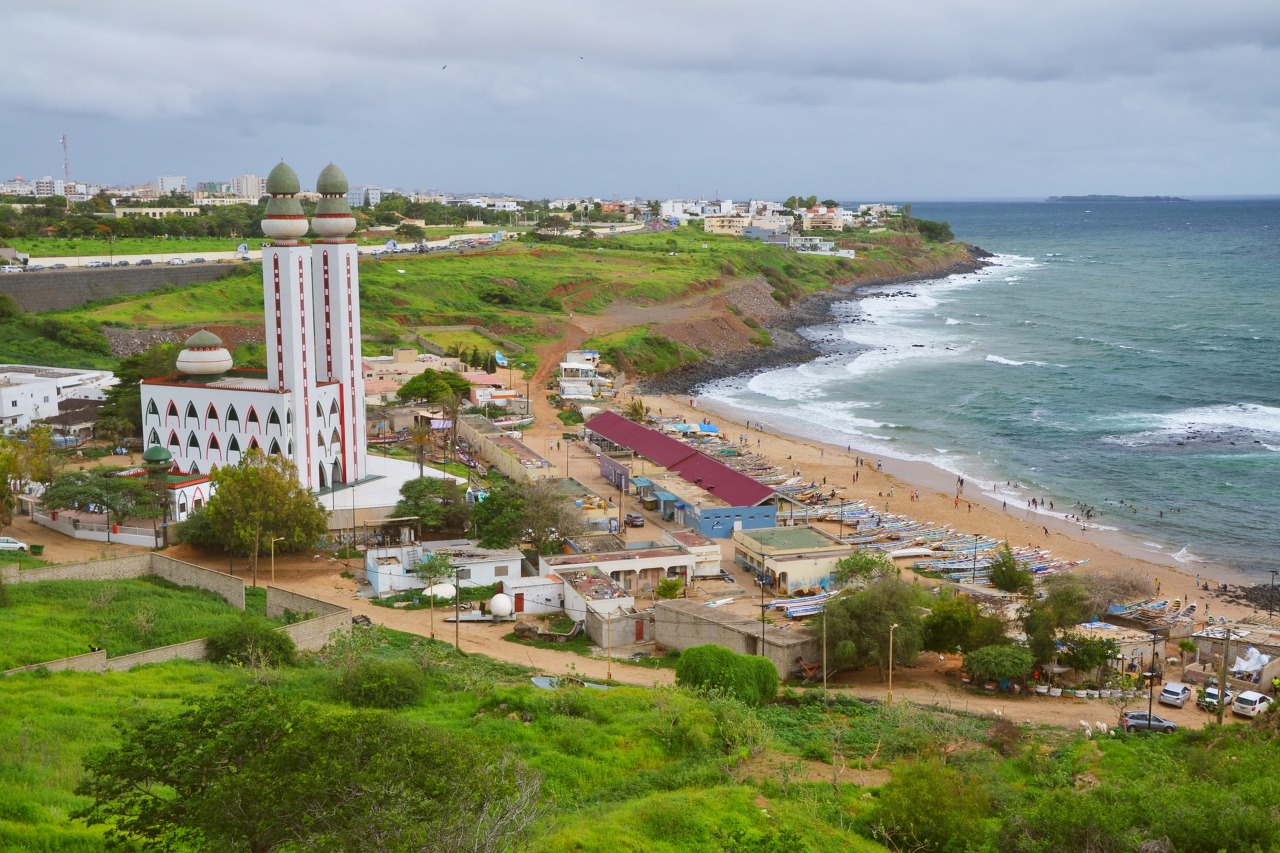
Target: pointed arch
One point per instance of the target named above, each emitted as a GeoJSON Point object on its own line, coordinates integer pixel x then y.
{"type": "Point", "coordinates": [152, 410]}
{"type": "Point", "coordinates": [153, 438]}
{"type": "Point", "coordinates": [193, 446]}
{"type": "Point", "coordinates": [320, 440]}
{"type": "Point", "coordinates": [323, 482]}
{"type": "Point", "coordinates": [319, 410]}
{"type": "Point", "coordinates": [214, 447]}
{"type": "Point", "coordinates": [275, 448]}
{"type": "Point", "coordinates": [232, 417]}
{"type": "Point", "coordinates": [195, 469]}
{"type": "Point", "coordinates": [290, 448]}
{"type": "Point", "coordinates": [288, 417]}
{"type": "Point", "coordinates": [211, 414]}
{"type": "Point", "coordinates": [337, 472]}
{"type": "Point", "coordinates": [253, 444]}
{"type": "Point", "coordinates": [171, 411]}
{"type": "Point", "coordinates": [191, 413]}
{"type": "Point", "coordinates": [175, 446]}
{"type": "Point", "coordinates": [251, 420]}
{"type": "Point", "coordinates": [336, 441]}
{"type": "Point", "coordinates": [233, 446]}
{"type": "Point", "coordinates": [273, 419]}
{"type": "Point", "coordinates": [333, 407]}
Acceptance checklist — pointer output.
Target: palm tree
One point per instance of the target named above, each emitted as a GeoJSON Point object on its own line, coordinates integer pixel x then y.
{"type": "Point", "coordinates": [420, 436]}
{"type": "Point", "coordinates": [636, 411]}
{"type": "Point", "coordinates": [452, 403]}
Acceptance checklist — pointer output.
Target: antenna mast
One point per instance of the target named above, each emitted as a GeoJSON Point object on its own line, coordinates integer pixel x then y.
{"type": "Point", "coordinates": [66, 164]}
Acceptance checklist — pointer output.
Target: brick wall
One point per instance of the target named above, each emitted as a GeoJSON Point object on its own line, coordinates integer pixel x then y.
{"type": "Point", "coordinates": [91, 662]}
{"type": "Point", "coordinates": [313, 633]}
{"type": "Point", "coordinates": [52, 290]}
{"type": "Point", "coordinates": [119, 568]}
{"type": "Point", "coordinates": [190, 650]}
{"type": "Point", "coordinates": [186, 574]}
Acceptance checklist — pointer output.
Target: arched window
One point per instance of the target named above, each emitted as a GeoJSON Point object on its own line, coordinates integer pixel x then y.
{"type": "Point", "coordinates": [175, 446]}
{"type": "Point", "coordinates": [182, 504]}
{"type": "Point", "coordinates": [333, 407]}
{"type": "Point", "coordinates": [288, 416]}
{"type": "Point", "coordinates": [193, 446]}
{"type": "Point", "coordinates": [320, 440]}
{"type": "Point", "coordinates": [290, 448]}
{"type": "Point", "coordinates": [211, 414]}
{"type": "Point", "coordinates": [153, 438]}
{"type": "Point", "coordinates": [275, 448]}
{"type": "Point", "coordinates": [233, 446]}
{"type": "Point", "coordinates": [253, 444]}
{"type": "Point", "coordinates": [337, 472]}
{"type": "Point", "coordinates": [252, 420]}
{"type": "Point", "coordinates": [319, 410]}
{"type": "Point", "coordinates": [195, 469]}
{"type": "Point", "coordinates": [273, 419]}
{"type": "Point", "coordinates": [152, 411]}
{"type": "Point", "coordinates": [323, 483]}
{"type": "Point", "coordinates": [191, 412]}
{"type": "Point", "coordinates": [336, 441]}
{"type": "Point", "coordinates": [214, 447]}
{"type": "Point", "coordinates": [171, 411]}
{"type": "Point", "coordinates": [232, 417]}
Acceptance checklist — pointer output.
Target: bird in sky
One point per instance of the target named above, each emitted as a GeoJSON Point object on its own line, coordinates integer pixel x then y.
{"type": "Point", "coordinates": [443, 67]}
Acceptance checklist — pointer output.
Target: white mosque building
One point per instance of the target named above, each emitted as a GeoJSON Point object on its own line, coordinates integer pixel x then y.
{"type": "Point", "coordinates": [308, 405]}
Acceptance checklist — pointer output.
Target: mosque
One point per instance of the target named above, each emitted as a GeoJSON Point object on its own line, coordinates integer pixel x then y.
{"type": "Point", "coordinates": [308, 405]}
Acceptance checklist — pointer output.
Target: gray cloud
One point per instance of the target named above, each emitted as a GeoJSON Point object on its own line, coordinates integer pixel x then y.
{"type": "Point", "coordinates": [925, 99]}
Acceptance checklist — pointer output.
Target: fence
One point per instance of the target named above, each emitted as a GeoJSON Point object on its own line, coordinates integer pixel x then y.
{"type": "Point", "coordinates": [320, 618]}
{"type": "Point", "coordinates": [77, 529]}
{"type": "Point", "coordinates": [511, 346]}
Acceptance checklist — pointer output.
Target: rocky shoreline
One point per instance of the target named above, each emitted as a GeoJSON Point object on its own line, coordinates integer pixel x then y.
{"type": "Point", "coordinates": [790, 347]}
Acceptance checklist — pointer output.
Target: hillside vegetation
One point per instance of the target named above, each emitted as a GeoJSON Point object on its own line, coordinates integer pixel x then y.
{"type": "Point", "coordinates": [524, 291]}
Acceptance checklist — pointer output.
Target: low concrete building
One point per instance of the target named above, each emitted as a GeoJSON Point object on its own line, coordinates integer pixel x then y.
{"type": "Point", "coordinates": [790, 558]}
{"type": "Point", "coordinates": [535, 595]}
{"type": "Point", "coordinates": [588, 589]}
{"type": "Point", "coordinates": [503, 451]}
{"type": "Point", "coordinates": [392, 569]}
{"type": "Point", "coordinates": [684, 623]}
{"type": "Point", "coordinates": [635, 569]}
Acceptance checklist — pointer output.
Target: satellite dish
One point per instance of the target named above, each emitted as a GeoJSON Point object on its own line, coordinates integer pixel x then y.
{"type": "Point", "coordinates": [501, 605]}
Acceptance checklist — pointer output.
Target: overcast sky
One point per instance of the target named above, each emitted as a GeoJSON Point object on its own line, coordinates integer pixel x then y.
{"type": "Point", "coordinates": [860, 101]}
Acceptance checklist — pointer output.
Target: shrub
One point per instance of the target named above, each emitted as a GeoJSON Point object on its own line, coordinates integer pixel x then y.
{"type": "Point", "coordinates": [383, 684]}
{"type": "Point", "coordinates": [930, 806]}
{"type": "Point", "coordinates": [751, 680]}
{"type": "Point", "coordinates": [252, 642]}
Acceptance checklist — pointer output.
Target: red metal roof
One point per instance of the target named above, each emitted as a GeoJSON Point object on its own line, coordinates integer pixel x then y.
{"type": "Point", "coordinates": [732, 487]}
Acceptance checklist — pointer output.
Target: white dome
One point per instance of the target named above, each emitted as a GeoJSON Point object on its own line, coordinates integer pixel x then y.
{"type": "Point", "coordinates": [285, 228]}
{"type": "Point", "coordinates": [441, 590]}
{"type": "Point", "coordinates": [333, 226]}
{"type": "Point", "coordinates": [204, 361]}
{"type": "Point", "coordinates": [501, 605]}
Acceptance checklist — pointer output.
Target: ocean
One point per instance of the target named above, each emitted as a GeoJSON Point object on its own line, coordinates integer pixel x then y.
{"type": "Point", "coordinates": [1121, 356]}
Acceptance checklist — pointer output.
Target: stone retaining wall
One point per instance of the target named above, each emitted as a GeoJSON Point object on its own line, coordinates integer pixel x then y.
{"type": "Point", "coordinates": [314, 632]}
{"type": "Point", "coordinates": [53, 290]}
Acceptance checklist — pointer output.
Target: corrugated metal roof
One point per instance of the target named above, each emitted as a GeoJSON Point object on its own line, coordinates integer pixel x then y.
{"type": "Point", "coordinates": [730, 486]}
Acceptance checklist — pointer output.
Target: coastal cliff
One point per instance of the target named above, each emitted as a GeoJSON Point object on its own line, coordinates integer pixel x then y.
{"type": "Point", "coordinates": [731, 339]}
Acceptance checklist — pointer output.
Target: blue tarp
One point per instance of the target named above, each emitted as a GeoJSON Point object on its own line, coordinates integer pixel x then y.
{"type": "Point", "coordinates": [665, 497]}
{"type": "Point", "coordinates": [643, 482]}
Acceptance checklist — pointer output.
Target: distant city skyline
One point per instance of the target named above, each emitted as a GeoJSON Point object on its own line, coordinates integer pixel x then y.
{"type": "Point", "coordinates": [931, 101]}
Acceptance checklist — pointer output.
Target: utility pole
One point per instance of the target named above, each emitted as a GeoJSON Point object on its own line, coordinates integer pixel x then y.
{"type": "Point", "coordinates": [1222, 678]}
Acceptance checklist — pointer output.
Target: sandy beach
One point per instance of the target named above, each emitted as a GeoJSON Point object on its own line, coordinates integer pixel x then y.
{"type": "Point", "coordinates": [969, 510]}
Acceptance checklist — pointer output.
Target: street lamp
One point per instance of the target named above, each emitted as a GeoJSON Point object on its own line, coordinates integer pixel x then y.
{"type": "Point", "coordinates": [762, 606]}
{"type": "Point", "coordinates": [974, 578]}
{"type": "Point", "coordinates": [1271, 600]}
{"type": "Point", "coordinates": [824, 653]}
{"type": "Point", "coordinates": [273, 558]}
{"type": "Point", "coordinates": [892, 628]}
{"type": "Point", "coordinates": [1151, 680]}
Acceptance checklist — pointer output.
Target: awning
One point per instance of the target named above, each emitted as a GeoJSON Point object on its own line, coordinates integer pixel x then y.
{"type": "Point", "coordinates": [643, 482]}
{"type": "Point", "coordinates": [665, 497]}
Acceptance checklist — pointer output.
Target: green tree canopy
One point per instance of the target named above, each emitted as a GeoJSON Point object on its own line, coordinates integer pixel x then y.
{"type": "Point", "coordinates": [1066, 603]}
{"type": "Point", "coordinates": [956, 622]}
{"type": "Point", "coordinates": [1006, 574]}
{"type": "Point", "coordinates": [258, 500]}
{"type": "Point", "coordinates": [439, 503]}
{"type": "Point", "coordinates": [857, 624]}
{"type": "Point", "coordinates": [255, 770]}
{"type": "Point", "coordinates": [750, 679]}
{"type": "Point", "coordinates": [1000, 663]}
{"type": "Point", "coordinates": [433, 386]}
{"type": "Point", "coordinates": [101, 490]}
{"type": "Point", "coordinates": [538, 508]}
{"type": "Point", "coordinates": [499, 517]}
{"type": "Point", "coordinates": [865, 566]}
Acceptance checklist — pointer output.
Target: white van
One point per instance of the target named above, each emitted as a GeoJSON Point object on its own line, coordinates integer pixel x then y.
{"type": "Point", "coordinates": [1250, 704]}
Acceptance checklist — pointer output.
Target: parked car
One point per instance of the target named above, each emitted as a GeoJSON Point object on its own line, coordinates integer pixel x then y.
{"type": "Point", "coordinates": [1133, 721]}
{"type": "Point", "coordinates": [197, 260]}
{"type": "Point", "coordinates": [122, 263]}
{"type": "Point", "coordinates": [34, 267]}
{"type": "Point", "coordinates": [10, 268]}
{"type": "Point", "coordinates": [633, 519]}
{"type": "Point", "coordinates": [8, 543]}
{"type": "Point", "coordinates": [177, 262]}
{"type": "Point", "coordinates": [95, 264]}
{"type": "Point", "coordinates": [1250, 703]}
{"type": "Point", "coordinates": [145, 262]}
{"type": "Point", "coordinates": [1209, 701]}
{"type": "Point", "coordinates": [58, 267]}
{"type": "Point", "coordinates": [1175, 693]}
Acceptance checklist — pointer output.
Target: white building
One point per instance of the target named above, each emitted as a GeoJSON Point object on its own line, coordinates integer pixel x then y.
{"type": "Point", "coordinates": [29, 394]}
{"type": "Point", "coordinates": [170, 184]}
{"type": "Point", "coordinates": [249, 186]}
{"type": "Point", "coordinates": [47, 186]}
{"type": "Point", "coordinates": [392, 570]}
{"type": "Point", "coordinates": [308, 405]}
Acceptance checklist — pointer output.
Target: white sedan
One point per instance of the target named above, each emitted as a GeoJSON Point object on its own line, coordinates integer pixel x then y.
{"type": "Point", "coordinates": [8, 543]}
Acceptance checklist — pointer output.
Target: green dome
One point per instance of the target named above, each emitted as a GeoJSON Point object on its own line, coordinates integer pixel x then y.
{"type": "Point", "coordinates": [157, 455]}
{"type": "Point", "coordinates": [333, 207]}
{"type": "Point", "coordinates": [203, 338]}
{"type": "Point", "coordinates": [283, 180]}
{"type": "Point", "coordinates": [277, 206]}
{"type": "Point", "coordinates": [332, 181]}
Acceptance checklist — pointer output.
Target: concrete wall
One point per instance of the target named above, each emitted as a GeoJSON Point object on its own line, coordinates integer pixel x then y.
{"type": "Point", "coordinates": [681, 625]}
{"type": "Point", "coordinates": [51, 290]}
{"type": "Point", "coordinates": [308, 635]}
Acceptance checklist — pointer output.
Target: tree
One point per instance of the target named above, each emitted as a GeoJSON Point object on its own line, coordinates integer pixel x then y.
{"type": "Point", "coordinates": [9, 476]}
{"type": "Point", "coordinates": [857, 624]}
{"type": "Point", "coordinates": [865, 566]}
{"type": "Point", "coordinates": [999, 663]}
{"type": "Point", "coordinates": [1084, 654]}
{"type": "Point", "coordinates": [668, 588]}
{"type": "Point", "coordinates": [636, 411]}
{"type": "Point", "coordinates": [439, 503]}
{"type": "Point", "coordinates": [410, 231]}
{"type": "Point", "coordinates": [433, 386]}
{"type": "Point", "coordinates": [1066, 602]}
{"type": "Point", "coordinates": [499, 517]}
{"type": "Point", "coordinates": [255, 770]}
{"type": "Point", "coordinates": [431, 571]}
{"type": "Point", "coordinates": [452, 402]}
{"type": "Point", "coordinates": [549, 514]}
{"type": "Point", "coordinates": [957, 623]}
{"type": "Point", "coordinates": [420, 438]}
{"type": "Point", "coordinates": [261, 499]}
{"type": "Point", "coordinates": [101, 490]}
{"type": "Point", "coordinates": [1005, 573]}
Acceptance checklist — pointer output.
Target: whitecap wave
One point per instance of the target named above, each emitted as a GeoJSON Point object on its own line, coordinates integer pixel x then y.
{"type": "Point", "coordinates": [951, 321]}
{"type": "Point", "coordinates": [1249, 424]}
{"type": "Point", "coordinates": [1185, 556]}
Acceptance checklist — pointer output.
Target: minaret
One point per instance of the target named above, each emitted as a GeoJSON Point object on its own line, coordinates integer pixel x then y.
{"type": "Point", "coordinates": [336, 294]}
{"type": "Point", "coordinates": [287, 293]}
